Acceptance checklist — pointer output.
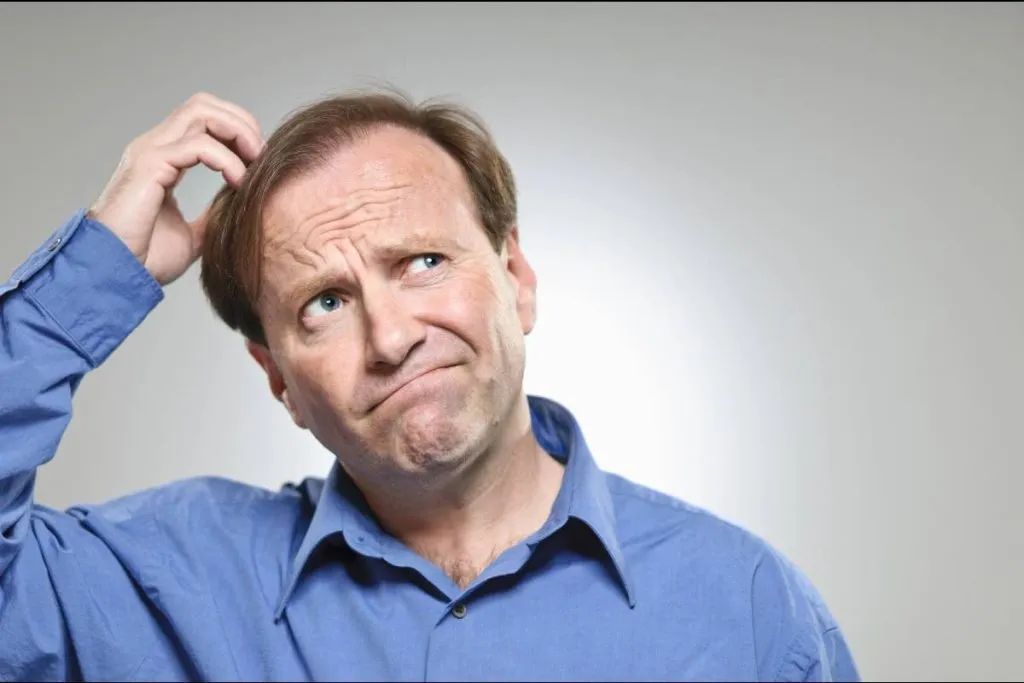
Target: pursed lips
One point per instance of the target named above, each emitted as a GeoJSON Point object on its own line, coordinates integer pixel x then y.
{"type": "Point", "coordinates": [398, 387]}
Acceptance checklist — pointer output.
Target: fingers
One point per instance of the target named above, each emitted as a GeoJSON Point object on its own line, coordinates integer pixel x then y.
{"type": "Point", "coordinates": [232, 130]}
{"type": "Point", "coordinates": [224, 120]}
{"type": "Point", "coordinates": [205, 149]}
{"type": "Point", "coordinates": [241, 114]}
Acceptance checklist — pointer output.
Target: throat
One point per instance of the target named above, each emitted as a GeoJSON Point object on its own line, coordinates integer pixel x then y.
{"type": "Point", "coordinates": [463, 567]}
{"type": "Point", "coordinates": [462, 528]}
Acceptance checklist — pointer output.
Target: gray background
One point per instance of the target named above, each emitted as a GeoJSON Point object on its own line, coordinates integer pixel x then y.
{"type": "Point", "coordinates": [779, 250]}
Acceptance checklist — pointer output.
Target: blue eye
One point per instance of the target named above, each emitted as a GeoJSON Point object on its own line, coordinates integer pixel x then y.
{"type": "Point", "coordinates": [325, 303]}
{"type": "Point", "coordinates": [429, 261]}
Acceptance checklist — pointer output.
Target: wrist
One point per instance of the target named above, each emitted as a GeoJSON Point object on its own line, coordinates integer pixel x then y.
{"type": "Point", "coordinates": [99, 217]}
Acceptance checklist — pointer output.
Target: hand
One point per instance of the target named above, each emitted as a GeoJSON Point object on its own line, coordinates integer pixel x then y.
{"type": "Point", "coordinates": [138, 203]}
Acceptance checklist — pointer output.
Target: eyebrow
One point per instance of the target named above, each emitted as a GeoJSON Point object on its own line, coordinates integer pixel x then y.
{"type": "Point", "coordinates": [399, 249]}
{"type": "Point", "coordinates": [308, 287]}
{"type": "Point", "coordinates": [389, 251]}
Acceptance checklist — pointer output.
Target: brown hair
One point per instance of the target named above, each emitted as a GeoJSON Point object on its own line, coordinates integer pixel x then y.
{"type": "Point", "coordinates": [305, 141]}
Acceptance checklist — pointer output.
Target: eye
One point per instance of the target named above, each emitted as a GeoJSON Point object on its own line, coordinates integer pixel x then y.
{"type": "Point", "coordinates": [324, 303]}
{"type": "Point", "coordinates": [425, 262]}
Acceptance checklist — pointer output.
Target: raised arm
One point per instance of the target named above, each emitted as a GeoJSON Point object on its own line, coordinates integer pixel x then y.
{"type": "Point", "coordinates": [62, 313]}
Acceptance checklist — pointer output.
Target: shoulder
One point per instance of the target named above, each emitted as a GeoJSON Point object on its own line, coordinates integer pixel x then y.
{"type": "Point", "coordinates": [700, 537]}
{"type": "Point", "coordinates": [681, 546]}
{"type": "Point", "coordinates": [196, 536]}
{"type": "Point", "coordinates": [201, 504]}
{"type": "Point", "coordinates": [643, 513]}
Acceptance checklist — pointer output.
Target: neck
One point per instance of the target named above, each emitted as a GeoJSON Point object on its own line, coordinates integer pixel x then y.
{"type": "Point", "coordinates": [463, 521]}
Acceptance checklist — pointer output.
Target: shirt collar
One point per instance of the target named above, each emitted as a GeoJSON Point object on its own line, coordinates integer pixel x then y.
{"type": "Point", "coordinates": [341, 509]}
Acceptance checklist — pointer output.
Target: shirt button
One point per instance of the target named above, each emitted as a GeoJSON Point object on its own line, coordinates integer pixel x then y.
{"type": "Point", "coordinates": [459, 611]}
{"type": "Point", "coordinates": [54, 244]}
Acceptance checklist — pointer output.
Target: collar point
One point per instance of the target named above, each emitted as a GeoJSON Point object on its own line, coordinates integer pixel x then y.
{"type": "Point", "coordinates": [282, 605]}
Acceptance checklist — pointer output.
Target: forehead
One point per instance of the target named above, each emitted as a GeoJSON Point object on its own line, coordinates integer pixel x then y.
{"type": "Point", "coordinates": [389, 181]}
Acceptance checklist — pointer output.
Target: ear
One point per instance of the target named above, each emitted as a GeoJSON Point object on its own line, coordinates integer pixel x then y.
{"type": "Point", "coordinates": [261, 355]}
{"type": "Point", "coordinates": [523, 279]}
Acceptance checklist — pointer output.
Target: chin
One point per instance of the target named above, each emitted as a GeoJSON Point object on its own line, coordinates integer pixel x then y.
{"type": "Point", "coordinates": [432, 436]}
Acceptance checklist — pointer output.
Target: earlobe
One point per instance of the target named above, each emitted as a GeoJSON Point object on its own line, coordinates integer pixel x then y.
{"type": "Point", "coordinates": [524, 280]}
{"type": "Point", "coordinates": [296, 418]}
{"type": "Point", "coordinates": [275, 379]}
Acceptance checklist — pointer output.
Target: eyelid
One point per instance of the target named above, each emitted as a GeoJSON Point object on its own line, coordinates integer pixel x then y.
{"type": "Point", "coordinates": [438, 255]}
{"type": "Point", "coordinates": [303, 311]}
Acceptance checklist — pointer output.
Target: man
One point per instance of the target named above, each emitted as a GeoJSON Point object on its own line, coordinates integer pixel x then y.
{"type": "Point", "coordinates": [368, 251]}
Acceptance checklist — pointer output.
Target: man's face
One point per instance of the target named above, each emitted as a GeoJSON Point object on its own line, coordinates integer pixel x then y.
{"type": "Point", "coordinates": [395, 330]}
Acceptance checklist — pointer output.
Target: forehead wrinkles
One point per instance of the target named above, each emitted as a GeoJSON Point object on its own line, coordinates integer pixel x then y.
{"type": "Point", "coordinates": [336, 215]}
{"type": "Point", "coordinates": [361, 209]}
{"type": "Point", "coordinates": [392, 187]}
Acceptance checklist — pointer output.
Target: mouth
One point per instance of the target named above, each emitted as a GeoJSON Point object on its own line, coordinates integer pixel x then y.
{"type": "Point", "coordinates": [401, 388]}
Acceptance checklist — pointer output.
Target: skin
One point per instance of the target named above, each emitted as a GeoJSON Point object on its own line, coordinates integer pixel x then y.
{"type": "Point", "coordinates": [396, 335]}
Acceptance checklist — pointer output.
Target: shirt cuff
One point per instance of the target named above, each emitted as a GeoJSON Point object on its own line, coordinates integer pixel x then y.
{"type": "Point", "coordinates": [92, 285]}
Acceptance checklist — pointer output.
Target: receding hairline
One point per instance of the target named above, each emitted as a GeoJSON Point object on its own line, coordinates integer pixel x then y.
{"type": "Point", "coordinates": [434, 158]}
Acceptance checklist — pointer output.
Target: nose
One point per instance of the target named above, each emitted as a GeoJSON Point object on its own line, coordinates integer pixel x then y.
{"type": "Point", "coordinates": [392, 331]}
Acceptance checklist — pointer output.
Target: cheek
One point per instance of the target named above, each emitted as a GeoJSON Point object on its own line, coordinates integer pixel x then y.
{"type": "Point", "coordinates": [483, 315]}
{"type": "Point", "coordinates": [472, 308]}
{"type": "Point", "coordinates": [319, 383]}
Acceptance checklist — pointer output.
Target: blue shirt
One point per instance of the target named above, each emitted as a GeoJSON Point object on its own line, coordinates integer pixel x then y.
{"type": "Point", "coordinates": [211, 579]}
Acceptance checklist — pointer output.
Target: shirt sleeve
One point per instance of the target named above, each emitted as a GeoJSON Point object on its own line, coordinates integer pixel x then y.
{"type": "Point", "coordinates": [796, 637]}
{"type": "Point", "coordinates": [62, 313]}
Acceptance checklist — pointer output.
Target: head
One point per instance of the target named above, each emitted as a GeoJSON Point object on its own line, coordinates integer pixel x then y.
{"type": "Point", "coordinates": [371, 260]}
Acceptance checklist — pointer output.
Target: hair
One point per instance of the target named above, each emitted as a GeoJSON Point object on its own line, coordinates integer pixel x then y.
{"type": "Point", "coordinates": [306, 141]}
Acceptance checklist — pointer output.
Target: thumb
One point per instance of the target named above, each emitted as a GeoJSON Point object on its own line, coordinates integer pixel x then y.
{"type": "Point", "coordinates": [198, 227]}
